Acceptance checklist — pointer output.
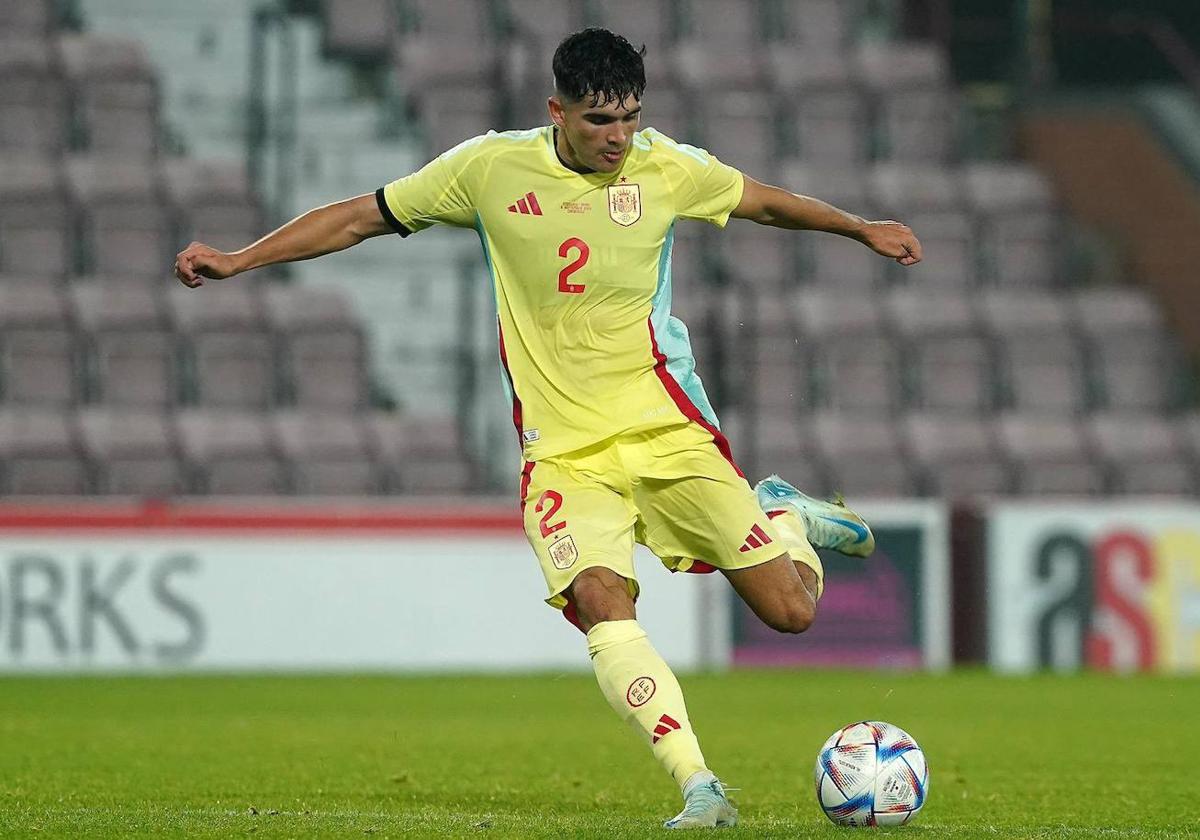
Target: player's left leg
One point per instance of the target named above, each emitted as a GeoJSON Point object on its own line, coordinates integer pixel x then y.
{"type": "Point", "coordinates": [695, 503]}
{"type": "Point", "coordinates": [781, 592]}
{"type": "Point", "coordinates": [826, 524]}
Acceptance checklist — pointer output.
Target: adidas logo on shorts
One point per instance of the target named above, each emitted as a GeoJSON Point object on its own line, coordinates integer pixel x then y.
{"type": "Point", "coordinates": [757, 538]}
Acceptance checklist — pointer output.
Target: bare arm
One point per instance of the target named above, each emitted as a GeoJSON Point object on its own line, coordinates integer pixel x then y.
{"type": "Point", "coordinates": [324, 230]}
{"type": "Point", "coordinates": [773, 206]}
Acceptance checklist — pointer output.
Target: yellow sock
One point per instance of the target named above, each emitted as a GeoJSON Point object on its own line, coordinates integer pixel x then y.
{"type": "Point", "coordinates": [640, 687]}
{"type": "Point", "coordinates": [795, 537]}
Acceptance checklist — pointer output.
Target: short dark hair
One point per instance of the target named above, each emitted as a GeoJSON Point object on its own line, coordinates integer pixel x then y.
{"type": "Point", "coordinates": [599, 63]}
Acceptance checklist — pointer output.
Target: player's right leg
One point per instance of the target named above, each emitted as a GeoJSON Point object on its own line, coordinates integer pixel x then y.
{"type": "Point", "coordinates": [582, 531]}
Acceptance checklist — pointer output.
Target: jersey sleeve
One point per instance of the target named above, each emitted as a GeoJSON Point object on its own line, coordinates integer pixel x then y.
{"type": "Point", "coordinates": [441, 192]}
{"type": "Point", "coordinates": [705, 189]}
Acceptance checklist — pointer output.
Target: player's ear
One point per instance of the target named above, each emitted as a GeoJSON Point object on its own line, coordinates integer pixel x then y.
{"type": "Point", "coordinates": [557, 112]}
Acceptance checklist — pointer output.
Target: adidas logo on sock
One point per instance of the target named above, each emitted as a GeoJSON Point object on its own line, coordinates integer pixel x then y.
{"type": "Point", "coordinates": [666, 725]}
{"type": "Point", "coordinates": [757, 538]}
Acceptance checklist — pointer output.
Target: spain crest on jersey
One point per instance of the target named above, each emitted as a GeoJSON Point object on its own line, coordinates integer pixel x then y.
{"type": "Point", "coordinates": [624, 203]}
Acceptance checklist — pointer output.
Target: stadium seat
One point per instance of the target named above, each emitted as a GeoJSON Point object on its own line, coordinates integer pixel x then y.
{"type": "Point", "coordinates": [1189, 435]}
{"type": "Point", "coordinates": [857, 373]}
{"type": "Point", "coordinates": [1040, 357]}
{"type": "Point", "coordinates": [133, 452]}
{"type": "Point", "coordinates": [828, 124]}
{"type": "Point", "coordinates": [27, 19]}
{"type": "Point", "coordinates": [40, 453]}
{"type": "Point", "coordinates": [949, 362]}
{"type": "Point", "coordinates": [532, 30]}
{"type": "Point", "coordinates": [420, 456]}
{"type": "Point", "coordinates": [230, 453]}
{"type": "Point", "coordinates": [739, 128]}
{"type": "Point", "coordinates": [1050, 455]}
{"type": "Point", "coordinates": [958, 455]}
{"type": "Point", "coordinates": [824, 259]}
{"type": "Point", "coordinates": [455, 114]}
{"type": "Point", "coordinates": [1143, 452]}
{"type": "Point", "coordinates": [1098, 311]}
{"type": "Point", "coordinates": [38, 346]}
{"type": "Point", "coordinates": [915, 105]}
{"type": "Point", "coordinates": [704, 68]}
{"type": "Point", "coordinates": [328, 453]}
{"type": "Point", "coordinates": [846, 186]}
{"type": "Point", "coordinates": [759, 255]}
{"type": "Point", "coordinates": [1045, 373]}
{"type": "Point", "coordinates": [358, 30]}
{"type": "Point", "coordinates": [918, 125]}
{"type": "Point", "coordinates": [780, 386]}
{"type": "Point", "coordinates": [1136, 362]}
{"type": "Point", "coordinates": [929, 200]}
{"type": "Point", "coordinates": [648, 22]}
{"type": "Point", "coordinates": [818, 24]}
{"type": "Point", "coordinates": [772, 438]}
{"type": "Point", "coordinates": [36, 229]}
{"type": "Point", "coordinates": [835, 262]}
{"type": "Point", "coordinates": [124, 217]}
{"type": "Point", "coordinates": [33, 101]}
{"type": "Point", "coordinates": [446, 46]}
{"type": "Point", "coordinates": [130, 345]}
{"type": "Point", "coordinates": [1018, 220]}
{"type": "Point", "coordinates": [226, 342]}
{"type": "Point", "coordinates": [861, 455]}
{"type": "Point", "coordinates": [116, 94]}
{"type": "Point", "coordinates": [1022, 312]}
{"type": "Point", "coordinates": [321, 345]}
{"type": "Point", "coordinates": [667, 110]}
{"type": "Point", "coordinates": [213, 203]}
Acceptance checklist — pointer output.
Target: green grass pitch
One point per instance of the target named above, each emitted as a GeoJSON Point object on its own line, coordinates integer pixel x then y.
{"type": "Point", "coordinates": [543, 756]}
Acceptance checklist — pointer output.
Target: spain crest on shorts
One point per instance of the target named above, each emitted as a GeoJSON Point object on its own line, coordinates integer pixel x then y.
{"type": "Point", "coordinates": [564, 553]}
{"type": "Point", "coordinates": [624, 203]}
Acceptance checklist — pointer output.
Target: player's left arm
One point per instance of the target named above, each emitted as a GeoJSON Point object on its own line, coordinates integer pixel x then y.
{"type": "Point", "coordinates": [777, 207]}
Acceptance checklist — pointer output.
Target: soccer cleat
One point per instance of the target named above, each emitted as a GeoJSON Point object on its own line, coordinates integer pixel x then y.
{"type": "Point", "coordinates": [705, 806]}
{"type": "Point", "coordinates": [830, 524]}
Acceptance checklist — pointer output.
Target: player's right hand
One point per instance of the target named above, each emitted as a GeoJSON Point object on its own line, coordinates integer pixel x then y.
{"type": "Point", "coordinates": [197, 261]}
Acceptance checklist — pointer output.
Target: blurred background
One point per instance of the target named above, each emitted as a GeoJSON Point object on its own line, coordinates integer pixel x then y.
{"type": "Point", "coordinates": [293, 469]}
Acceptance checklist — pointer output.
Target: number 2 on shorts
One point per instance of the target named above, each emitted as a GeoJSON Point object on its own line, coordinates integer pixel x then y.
{"type": "Point", "coordinates": [555, 500]}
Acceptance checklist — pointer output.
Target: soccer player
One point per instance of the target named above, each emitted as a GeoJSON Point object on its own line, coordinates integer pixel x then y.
{"type": "Point", "coordinates": [619, 440]}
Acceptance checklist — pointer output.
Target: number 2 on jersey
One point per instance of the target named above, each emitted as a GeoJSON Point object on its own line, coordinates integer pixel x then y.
{"type": "Point", "coordinates": [574, 243]}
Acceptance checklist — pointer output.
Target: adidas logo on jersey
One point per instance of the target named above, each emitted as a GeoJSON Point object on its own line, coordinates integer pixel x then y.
{"type": "Point", "coordinates": [527, 206]}
{"type": "Point", "coordinates": [666, 725]}
{"type": "Point", "coordinates": [757, 538]}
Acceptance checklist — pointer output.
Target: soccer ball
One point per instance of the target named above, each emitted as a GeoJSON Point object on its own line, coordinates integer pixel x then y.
{"type": "Point", "coordinates": [871, 773]}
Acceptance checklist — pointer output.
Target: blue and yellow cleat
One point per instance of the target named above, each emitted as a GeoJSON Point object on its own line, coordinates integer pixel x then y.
{"type": "Point", "coordinates": [830, 525]}
{"type": "Point", "coordinates": [705, 806]}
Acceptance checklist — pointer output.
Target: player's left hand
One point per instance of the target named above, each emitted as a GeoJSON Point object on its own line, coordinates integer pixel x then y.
{"type": "Point", "coordinates": [892, 239]}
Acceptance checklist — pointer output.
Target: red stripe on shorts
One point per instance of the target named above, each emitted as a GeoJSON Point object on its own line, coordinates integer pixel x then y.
{"type": "Point", "coordinates": [526, 475]}
{"type": "Point", "coordinates": [685, 404]}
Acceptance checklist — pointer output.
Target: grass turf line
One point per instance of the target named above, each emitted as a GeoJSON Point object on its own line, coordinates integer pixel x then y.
{"type": "Point", "coordinates": [543, 756]}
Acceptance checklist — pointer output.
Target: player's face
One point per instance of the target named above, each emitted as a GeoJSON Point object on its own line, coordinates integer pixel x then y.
{"type": "Point", "coordinates": [597, 137]}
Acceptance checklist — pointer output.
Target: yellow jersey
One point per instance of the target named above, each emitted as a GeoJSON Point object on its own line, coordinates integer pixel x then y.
{"type": "Point", "coordinates": [581, 270]}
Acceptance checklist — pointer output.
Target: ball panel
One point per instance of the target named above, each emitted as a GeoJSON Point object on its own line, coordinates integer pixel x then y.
{"type": "Point", "coordinates": [851, 767]}
{"type": "Point", "coordinates": [853, 812]}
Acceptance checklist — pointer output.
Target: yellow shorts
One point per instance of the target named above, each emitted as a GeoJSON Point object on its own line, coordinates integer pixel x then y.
{"type": "Point", "coordinates": [672, 490]}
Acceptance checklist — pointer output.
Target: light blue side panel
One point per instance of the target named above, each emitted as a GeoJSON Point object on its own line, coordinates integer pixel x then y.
{"type": "Point", "coordinates": [672, 335]}
{"type": "Point", "coordinates": [487, 255]}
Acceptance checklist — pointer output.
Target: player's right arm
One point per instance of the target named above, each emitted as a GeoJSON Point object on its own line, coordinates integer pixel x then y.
{"type": "Point", "coordinates": [324, 230]}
